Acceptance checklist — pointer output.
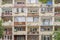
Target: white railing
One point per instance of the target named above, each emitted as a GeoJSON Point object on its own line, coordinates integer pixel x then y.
{"type": "Point", "coordinates": [6, 37]}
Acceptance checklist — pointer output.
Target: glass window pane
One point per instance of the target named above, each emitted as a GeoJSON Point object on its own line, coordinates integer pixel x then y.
{"type": "Point", "coordinates": [29, 19]}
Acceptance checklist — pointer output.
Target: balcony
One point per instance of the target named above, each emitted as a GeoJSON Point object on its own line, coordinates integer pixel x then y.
{"type": "Point", "coordinates": [46, 28]}
{"type": "Point", "coordinates": [8, 31]}
{"type": "Point", "coordinates": [57, 1]}
{"type": "Point", "coordinates": [6, 37]}
{"type": "Point", "coordinates": [33, 11]}
{"type": "Point", "coordinates": [19, 23]}
{"type": "Point", "coordinates": [57, 28]}
{"type": "Point", "coordinates": [20, 11]}
{"type": "Point", "coordinates": [7, 14]}
{"type": "Point", "coordinates": [20, 30]}
{"type": "Point", "coordinates": [57, 11]}
{"type": "Point", "coordinates": [6, 11]}
{"type": "Point", "coordinates": [57, 14]}
{"type": "Point", "coordinates": [20, 33]}
{"type": "Point", "coordinates": [33, 30]}
{"type": "Point", "coordinates": [32, 24]}
{"type": "Point", "coordinates": [32, 21]}
{"type": "Point", "coordinates": [7, 21]}
{"type": "Point", "coordinates": [7, 3]}
{"type": "Point", "coordinates": [32, 37]}
{"type": "Point", "coordinates": [19, 20]}
{"type": "Point", "coordinates": [57, 21]}
{"type": "Point", "coordinates": [33, 3]}
{"type": "Point", "coordinates": [46, 10]}
{"type": "Point", "coordinates": [46, 24]}
{"type": "Point", "coordinates": [20, 14]}
{"type": "Point", "coordinates": [19, 3]}
{"type": "Point", "coordinates": [46, 21]}
{"type": "Point", "coordinates": [33, 14]}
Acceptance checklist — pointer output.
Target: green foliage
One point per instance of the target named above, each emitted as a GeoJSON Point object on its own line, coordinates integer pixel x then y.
{"type": "Point", "coordinates": [44, 1]}
{"type": "Point", "coordinates": [56, 35]}
{"type": "Point", "coordinates": [1, 29]}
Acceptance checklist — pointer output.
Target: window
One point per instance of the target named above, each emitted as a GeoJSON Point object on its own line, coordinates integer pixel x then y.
{"type": "Point", "coordinates": [43, 9]}
{"type": "Point", "coordinates": [46, 37]}
{"type": "Point", "coordinates": [22, 10]}
{"type": "Point", "coordinates": [46, 28]}
{"type": "Point", "coordinates": [32, 19]}
{"type": "Point", "coordinates": [33, 29]}
{"type": "Point", "coordinates": [20, 2]}
{"type": "Point", "coordinates": [19, 19]}
{"type": "Point", "coordinates": [47, 8]}
{"type": "Point", "coordinates": [46, 21]}
{"type": "Point", "coordinates": [29, 19]}
{"type": "Point", "coordinates": [19, 10]}
{"type": "Point", "coordinates": [19, 29]}
{"type": "Point", "coordinates": [36, 19]}
{"type": "Point", "coordinates": [32, 1]}
{"type": "Point", "coordinates": [6, 10]}
{"type": "Point", "coordinates": [33, 10]}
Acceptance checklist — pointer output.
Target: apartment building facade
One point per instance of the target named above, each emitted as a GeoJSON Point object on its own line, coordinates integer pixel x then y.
{"type": "Point", "coordinates": [29, 19]}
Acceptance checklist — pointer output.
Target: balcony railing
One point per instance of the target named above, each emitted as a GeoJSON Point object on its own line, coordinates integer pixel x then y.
{"type": "Point", "coordinates": [46, 24]}
{"type": "Point", "coordinates": [44, 29]}
{"type": "Point", "coordinates": [33, 32]}
{"type": "Point", "coordinates": [7, 14]}
{"type": "Point", "coordinates": [8, 23]}
{"type": "Point", "coordinates": [19, 23]}
{"type": "Point", "coordinates": [6, 37]}
{"type": "Point", "coordinates": [33, 14]}
{"type": "Point", "coordinates": [49, 28]}
{"type": "Point", "coordinates": [57, 13]}
{"type": "Point", "coordinates": [57, 22]}
{"type": "Point", "coordinates": [8, 32]}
